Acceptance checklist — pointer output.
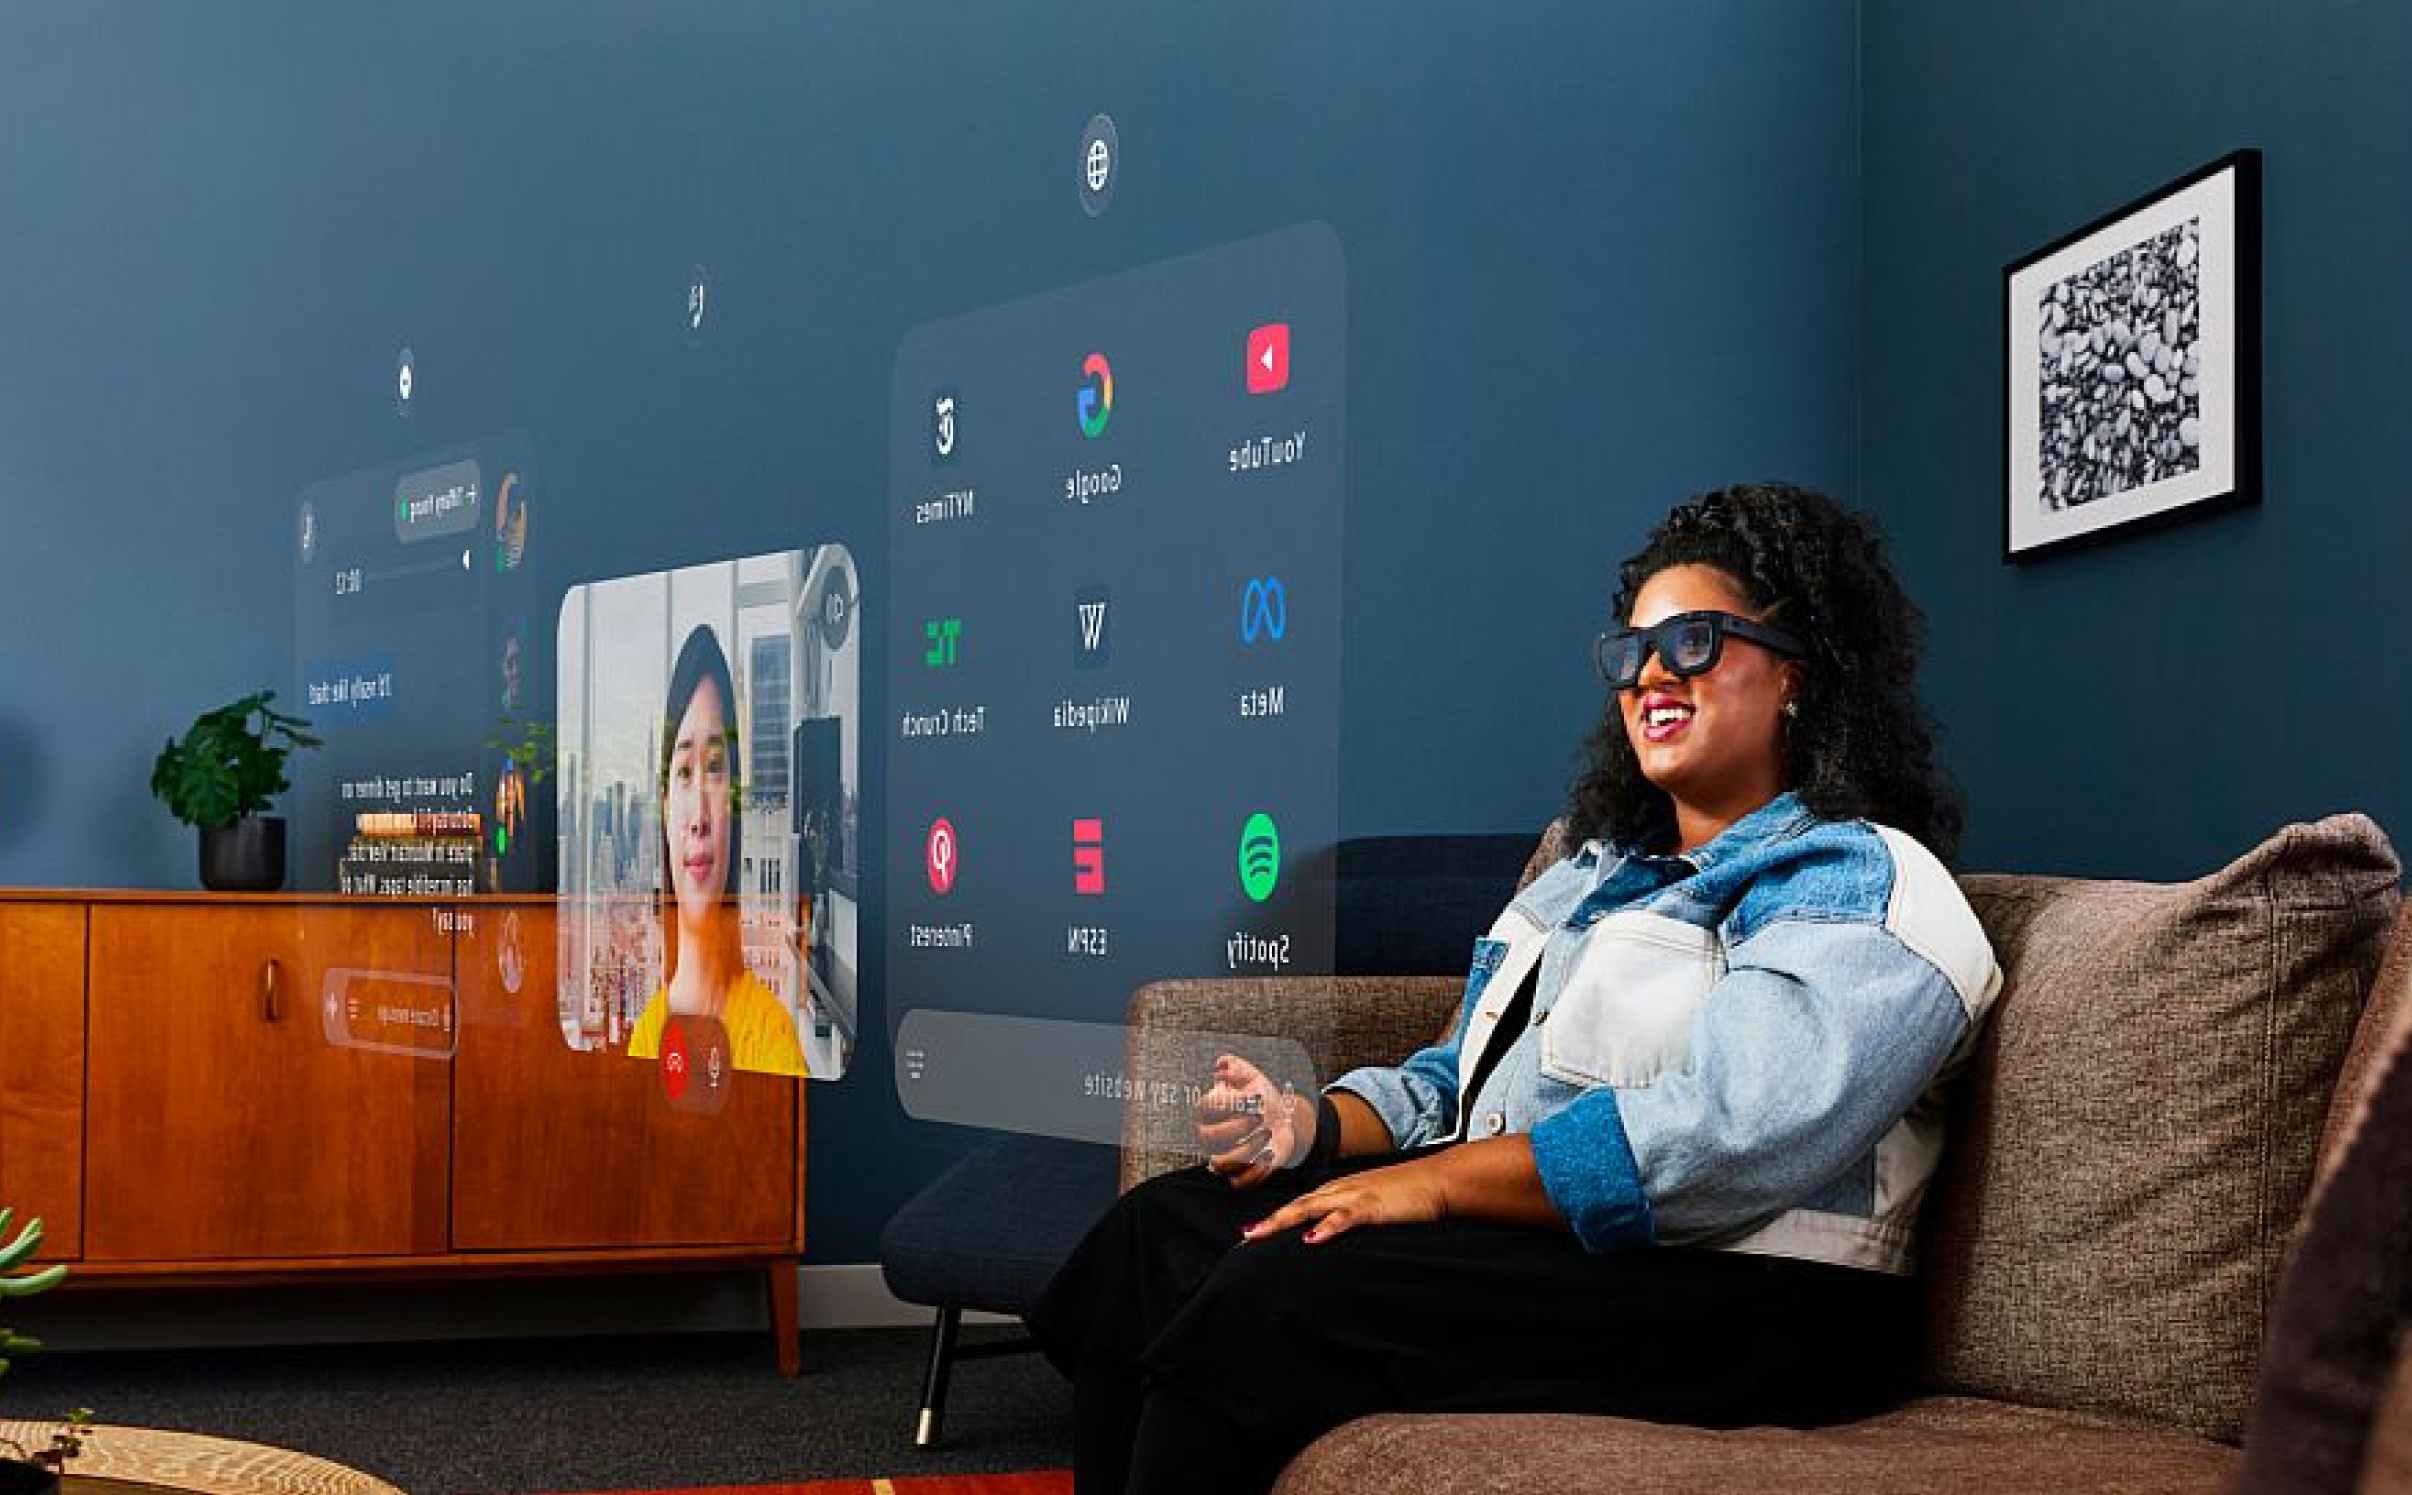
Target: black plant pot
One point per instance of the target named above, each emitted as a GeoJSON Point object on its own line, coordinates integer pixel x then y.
{"type": "Point", "coordinates": [246, 856]}
{"type": "Point", "coordinates": [20, 1478]}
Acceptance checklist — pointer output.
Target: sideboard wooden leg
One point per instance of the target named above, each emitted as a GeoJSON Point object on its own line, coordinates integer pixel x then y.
{"type": "Point", "coordinates": [786, 1328]}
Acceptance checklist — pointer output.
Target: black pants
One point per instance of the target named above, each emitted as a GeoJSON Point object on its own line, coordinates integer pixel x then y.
{"type": "Point", "coordinates": [1201, 1363]}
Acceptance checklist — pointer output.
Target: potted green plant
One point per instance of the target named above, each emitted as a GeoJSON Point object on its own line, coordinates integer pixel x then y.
{"type": "Point", "coordinates": [526, 746]}
{"type": "Point", "coordinates": [527, 754]}
{"type": "Point", "coordinates": [220, 777]}
{"type": "Point", "coordinates": [31, 1473]}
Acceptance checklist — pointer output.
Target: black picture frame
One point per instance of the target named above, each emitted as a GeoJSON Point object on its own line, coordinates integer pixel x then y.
{"type": "Point", "coordinates": [2131, 363]}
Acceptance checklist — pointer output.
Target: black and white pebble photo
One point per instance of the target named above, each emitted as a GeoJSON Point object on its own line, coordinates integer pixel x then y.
{"type": "Point", "coordinates": [2119, 371]}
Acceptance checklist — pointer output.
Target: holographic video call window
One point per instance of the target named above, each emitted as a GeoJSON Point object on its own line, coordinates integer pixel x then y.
{"type": "Point", "coordinates": [1114, 682]}
{"type": "Point", "coordinates": [709, 752]}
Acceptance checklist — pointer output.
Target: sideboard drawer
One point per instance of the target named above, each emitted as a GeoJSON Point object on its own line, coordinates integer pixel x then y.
{"type": "Point", "coordinates": [42, 1071]}
{"type": "Point", "coordinates": [228, 1115]}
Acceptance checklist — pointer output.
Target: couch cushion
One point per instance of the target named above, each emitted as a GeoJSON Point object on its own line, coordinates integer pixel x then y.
{"type": "Point", "coordinates": [1934, 1444]}
{"type": "Point", "coordinates": [2135, 1136]}
{"type": "Point", "coordinates": [2338, 1326]}
{"type": "Point", "coordinates": [2385, 1028]}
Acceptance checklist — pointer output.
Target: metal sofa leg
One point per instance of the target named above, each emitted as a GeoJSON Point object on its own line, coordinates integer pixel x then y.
{"type": "Point", "coordinates": [933, 1385]}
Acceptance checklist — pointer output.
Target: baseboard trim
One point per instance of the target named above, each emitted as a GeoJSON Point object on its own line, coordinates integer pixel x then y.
{"type": "Point", "coordinates": [852, 1295]}
{"type": "Point", "coordinates": [843, 1295]}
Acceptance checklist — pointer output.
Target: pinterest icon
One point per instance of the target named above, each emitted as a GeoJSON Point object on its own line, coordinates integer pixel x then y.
{"type": "Point", "coordinates": [941, 856]}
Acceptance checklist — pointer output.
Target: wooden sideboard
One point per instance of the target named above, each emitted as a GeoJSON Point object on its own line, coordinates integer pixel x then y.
{"type": "Point", "coordinates": [253, 1088]}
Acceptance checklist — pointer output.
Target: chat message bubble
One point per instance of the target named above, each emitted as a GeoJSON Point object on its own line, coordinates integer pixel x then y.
{"type": "Point", "coordinates": [348, 692]}
{"type": "Point", "coordinates": [437, 502]}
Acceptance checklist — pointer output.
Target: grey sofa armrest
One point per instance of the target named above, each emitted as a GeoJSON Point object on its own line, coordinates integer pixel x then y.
{"type": "Point", "coordinates": [1340, 1023]}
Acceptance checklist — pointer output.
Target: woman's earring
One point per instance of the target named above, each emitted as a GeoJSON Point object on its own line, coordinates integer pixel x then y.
{"type": "Point", "coordinates": [1792, 708]}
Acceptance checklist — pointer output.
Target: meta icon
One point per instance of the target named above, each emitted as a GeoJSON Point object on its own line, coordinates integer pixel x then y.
{"type": "Point", "coordinates": [1264, 610]}
{"type": "Point", "coordinates": [1092, 646]}
{"type": "Point", "coordinates": [942, 856]}
{"type": "Point", "coordinates": [1088, 857]}
{"type": "Point", "coordinates": [1259, 857]}
{"type": "Point", "coordinates": [1095, 396]}
{"type": "Point", "coordinates": [1269, 358]}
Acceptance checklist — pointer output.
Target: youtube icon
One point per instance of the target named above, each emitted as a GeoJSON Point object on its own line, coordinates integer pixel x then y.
{"type": "Point", "coordinates": [1269, 358]}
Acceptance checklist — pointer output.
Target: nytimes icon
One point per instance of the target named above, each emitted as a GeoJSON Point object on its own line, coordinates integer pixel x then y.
{"type": "Point", "coordinates": [1092, 644]}
{"type": "Point", "coordinates": [944, 415]}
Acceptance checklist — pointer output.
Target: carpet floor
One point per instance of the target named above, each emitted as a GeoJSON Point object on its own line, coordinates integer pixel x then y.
{"type": "Point", "coordinates": [544, 1416]}
{"type": "Point", "coordinates": [1054, 1482]}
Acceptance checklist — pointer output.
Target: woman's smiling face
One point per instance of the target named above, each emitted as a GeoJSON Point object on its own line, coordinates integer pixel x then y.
{"type": "Point", "coordinates": [1715, 739]}
{"type": "Point", "coordinates": [696, 806]}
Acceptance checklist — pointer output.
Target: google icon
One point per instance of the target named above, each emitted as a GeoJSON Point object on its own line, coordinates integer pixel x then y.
{"type": "Point", "coordinates": [1096, 395]}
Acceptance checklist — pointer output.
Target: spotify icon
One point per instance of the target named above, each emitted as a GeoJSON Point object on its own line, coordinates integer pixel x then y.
{"type": "Point", "coordinates": [1259, 857]}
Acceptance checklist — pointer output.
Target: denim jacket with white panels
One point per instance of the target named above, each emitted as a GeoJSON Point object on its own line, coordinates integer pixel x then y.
{"type": "Point", "coordinates": [1742, 1047]}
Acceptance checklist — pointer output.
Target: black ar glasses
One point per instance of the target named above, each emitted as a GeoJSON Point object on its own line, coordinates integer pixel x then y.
{"type": "Point", "coordinates": [1688, 644]}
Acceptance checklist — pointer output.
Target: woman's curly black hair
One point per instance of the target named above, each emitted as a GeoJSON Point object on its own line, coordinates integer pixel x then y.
{"type": "Point", "coordinates": [1862, 746]}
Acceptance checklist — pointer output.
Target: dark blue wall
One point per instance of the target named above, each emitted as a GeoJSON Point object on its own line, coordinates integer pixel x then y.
{"type": "Point", "coordinates": [2156, 705]}
{"type": "Point", "coordinates": [1599, 256]}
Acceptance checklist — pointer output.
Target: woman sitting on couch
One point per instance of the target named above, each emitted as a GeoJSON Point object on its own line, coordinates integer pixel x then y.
{"type": "Point", "coordinates": [1668, 1162]}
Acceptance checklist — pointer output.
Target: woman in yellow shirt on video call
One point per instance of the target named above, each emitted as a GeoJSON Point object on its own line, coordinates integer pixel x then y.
{"type": "Point", "coordinates": [705, 961]}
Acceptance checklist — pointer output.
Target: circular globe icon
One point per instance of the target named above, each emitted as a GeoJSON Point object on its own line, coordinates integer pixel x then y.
{"type": "Point", "coordinates": [1099, 147]}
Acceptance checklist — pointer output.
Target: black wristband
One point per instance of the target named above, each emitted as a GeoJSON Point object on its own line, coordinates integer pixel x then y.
{"type": "Point", "coordinates": [1326, 1149]}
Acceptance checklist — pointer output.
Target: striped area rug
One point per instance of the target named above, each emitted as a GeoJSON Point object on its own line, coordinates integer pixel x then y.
{"type": "Point", "coordinates": [1042, 1482]}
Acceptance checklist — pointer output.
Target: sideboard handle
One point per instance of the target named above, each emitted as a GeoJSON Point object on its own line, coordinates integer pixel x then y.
{"type": "Point", "coordinates": [271, 978]}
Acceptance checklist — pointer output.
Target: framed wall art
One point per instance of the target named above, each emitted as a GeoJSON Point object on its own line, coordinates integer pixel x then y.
{"type": "Point", "coordinates": [2132, 369]}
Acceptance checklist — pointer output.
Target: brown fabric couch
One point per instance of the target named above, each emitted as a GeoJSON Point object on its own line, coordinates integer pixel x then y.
{"type": "Point", "coordinates": [2131, 1153]}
